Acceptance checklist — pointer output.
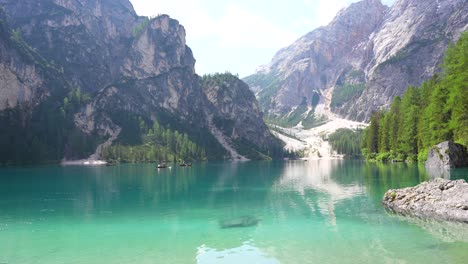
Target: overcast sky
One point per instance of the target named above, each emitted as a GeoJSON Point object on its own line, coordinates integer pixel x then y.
{"type": "Point", "coordinates": [239, 35]}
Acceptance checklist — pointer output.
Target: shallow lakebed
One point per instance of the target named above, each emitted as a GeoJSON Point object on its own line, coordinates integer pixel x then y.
{"type": "Point", "coordinates": [304, 212]}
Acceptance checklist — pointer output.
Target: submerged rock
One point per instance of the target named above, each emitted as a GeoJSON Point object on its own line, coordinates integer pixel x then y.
{"type": "Point", "coordinates": [447, 155]}
{"type": "Point", "coordinates": [437, 199]}
{"type": "Point", "coordinates": [244, 221]}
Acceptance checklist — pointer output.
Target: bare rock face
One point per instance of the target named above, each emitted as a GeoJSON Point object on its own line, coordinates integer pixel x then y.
{"type": "Point", "coordinates": [447, 155]}
{"type": "Point", "coordinates": [157, 49]}
{"type": "Point", "coordinates": [407, 50]}
{"type": "Point", "coordinates": [365, 57]}
{"type": "Point", "coordinates": [23, 72]}
{"type": "Point", "coordinates": [237, 115]}
{"type": "Point", "coordinates": [86, 37]}
{"type": "Point", "coordinates": [438, 199]}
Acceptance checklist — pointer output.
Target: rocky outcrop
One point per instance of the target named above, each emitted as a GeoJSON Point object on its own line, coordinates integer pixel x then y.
{"type": "Point", "coordinates": [437, 199]}
{"type": "Point", "coordinates": [447, 155]}
{"type": "Point", "coordinates": [365, 57]}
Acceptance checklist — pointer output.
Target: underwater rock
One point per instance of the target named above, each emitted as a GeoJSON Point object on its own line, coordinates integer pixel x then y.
{"type": "Point", "coordinates": [244, 221]}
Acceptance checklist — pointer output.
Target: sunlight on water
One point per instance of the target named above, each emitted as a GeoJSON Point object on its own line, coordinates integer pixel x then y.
{"type": "Point", "coordinates": [251, 212]}
{"type": "Point", "coordinates": [243, 254]}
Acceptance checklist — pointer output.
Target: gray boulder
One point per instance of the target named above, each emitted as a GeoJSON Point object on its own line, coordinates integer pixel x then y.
{"type": "Point", "coordinates": [447, 155]}
{"type": "Point", "coordinates": [438, 199]}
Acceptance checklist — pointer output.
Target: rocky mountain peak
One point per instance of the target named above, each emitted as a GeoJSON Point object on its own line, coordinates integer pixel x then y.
{"type": "Point", "coordinates": [351, 26]}
{"type": "Point", "coordinates": [356, 13]}
{"type": "Point", "coordinates": [366, 56]}
{"type": "Point", "coordinates": [158, 47]}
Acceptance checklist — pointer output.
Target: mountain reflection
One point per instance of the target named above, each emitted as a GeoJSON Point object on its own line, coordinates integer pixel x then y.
{"type": "Point", "coordinates": [318, 190]}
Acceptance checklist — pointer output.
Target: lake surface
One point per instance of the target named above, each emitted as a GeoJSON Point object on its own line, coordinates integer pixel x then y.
{"type": "Point", "coordinates": [308, 212]}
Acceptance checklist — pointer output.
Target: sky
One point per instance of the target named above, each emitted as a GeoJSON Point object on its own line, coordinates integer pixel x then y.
{"type": "Point", "coordinates": [240, 35]}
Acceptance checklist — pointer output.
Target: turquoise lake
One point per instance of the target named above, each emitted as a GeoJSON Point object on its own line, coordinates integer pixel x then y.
{"type": "Point", "coordinates": [308, 212]}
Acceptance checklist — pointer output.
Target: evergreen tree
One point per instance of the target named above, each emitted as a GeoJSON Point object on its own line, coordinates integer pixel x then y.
{"type": "Point", "coordinates": [372, 140]}
{"type": "Point", "coordinates": [456, 79]}
{"type": "Point", "coordinates": [425, 116]}
{"type": "Point", "coordinates": [410, 117]}
{"type": "Point", "coordinates": [394, 125]}
{"type": "Point", "coordinates": [384, 128]}
{"type": "Point", "coordinates": [439, 114]}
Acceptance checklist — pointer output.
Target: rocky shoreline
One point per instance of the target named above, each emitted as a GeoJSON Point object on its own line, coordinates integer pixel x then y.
{"type": "Point", "coordinates": [438, 199]}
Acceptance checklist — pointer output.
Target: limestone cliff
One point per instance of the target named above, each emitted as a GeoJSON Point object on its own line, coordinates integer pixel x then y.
{"type": "Point", "coordinates": [23, 72]}
{"type": "Point", "coordinates": [85, 37]}
{"type": "Point", "coordinates": [358, 63]}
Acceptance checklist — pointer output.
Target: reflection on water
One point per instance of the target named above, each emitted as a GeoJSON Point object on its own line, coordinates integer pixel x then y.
{"type": "Point", "coordinates": [317, 176]}
{"type": "Point", "coordinates": [438, 172]}
{"type": "Point", "coordinates": [320, 210]}
{"type": "Point", "coordinates": [445, 231]}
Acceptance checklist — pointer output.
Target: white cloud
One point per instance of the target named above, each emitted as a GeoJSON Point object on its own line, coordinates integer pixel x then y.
{"type": "Point", "coordinates": [190, 14]}
{"type": "Point", "coordinates": [238, 27]}
{"type": "Point", "coordinates": [235, 26]}
{"type": "Point", "coordinates": [224, 37]}
{"type": "Point", "coordinates": [328, 9]}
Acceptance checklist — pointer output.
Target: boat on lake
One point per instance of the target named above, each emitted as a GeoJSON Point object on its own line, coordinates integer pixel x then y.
{"type": "Point", "coordinates": [162, 165]}
{"type": "Point", "coordinates": [111, 163]}
{"type": "Point", "coordinates": [183, 164]}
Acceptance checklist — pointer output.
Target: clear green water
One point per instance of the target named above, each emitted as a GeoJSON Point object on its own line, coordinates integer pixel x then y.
{"type": "Point", "coordinates": [311, 212]}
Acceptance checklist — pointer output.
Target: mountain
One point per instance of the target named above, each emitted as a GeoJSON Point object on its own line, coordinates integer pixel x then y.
{"type": "Point", "coordinates": [235, 112]}
{"type": "Point", "coordinates": [100, 75]}
{"type": "Point", "coordinates": [358, 63]}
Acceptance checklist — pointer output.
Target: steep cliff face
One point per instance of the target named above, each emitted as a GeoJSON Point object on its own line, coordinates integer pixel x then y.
{"type": "Point", "coordinates": [126, 73]}
{"type": "Point", "coordinates": [235, 112]}
{"type": "Point", "coordinates": [22, 70]}
{"type": "Point", "coordinates": [35, 101]}
{"type": "Point", "coordinates": [12, 70]}
{"type": "Point", "coordinates": [156, 75]}
{"type": "Point", "coordinates": [86, 37]}
{"type": "Point", "coordinates": [407, 49]}
{"type": "Point", "coordinates": [364, 58]}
